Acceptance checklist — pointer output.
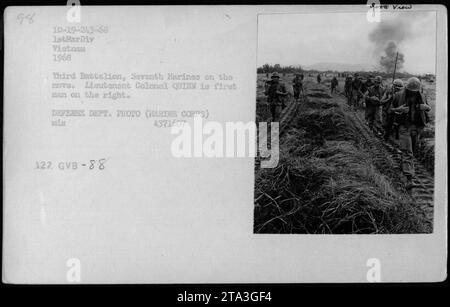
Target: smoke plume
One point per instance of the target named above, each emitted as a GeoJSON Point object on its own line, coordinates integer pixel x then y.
{"type": "Point", "coordinates": [386, 38]}
{"type": "Point", "coordinates": [387, 61]}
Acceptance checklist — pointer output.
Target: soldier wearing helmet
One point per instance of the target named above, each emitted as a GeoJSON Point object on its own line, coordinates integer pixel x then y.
{"type": "Point", "coordinates": [347, 88]}
{"type": "Point", "coordinates": [334, 84]}
{"type": "Point", "coordinates": [398, 83]}
{"type": "Point", "coordinates": [364, 88]}
{"type": "Point", "coordinates": [410, 108]}
{"type": "Point", "coordinates": [275, 92]}
{"type": "Point", "coordinates": [298, 85]}
{"type": "Point", "coordinates": [387, 116]}
{"type": "Point", "coordinates": [356, 91]}
{"type": "Point", "coordinates": [372, 98]}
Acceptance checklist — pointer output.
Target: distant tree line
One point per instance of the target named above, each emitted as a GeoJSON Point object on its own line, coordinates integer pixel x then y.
{"type": "Point", "coordinates": [268, 69]}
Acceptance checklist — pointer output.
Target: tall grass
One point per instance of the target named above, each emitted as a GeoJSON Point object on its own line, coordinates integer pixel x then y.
{"type": "Point", "coordinates": [326, 182]}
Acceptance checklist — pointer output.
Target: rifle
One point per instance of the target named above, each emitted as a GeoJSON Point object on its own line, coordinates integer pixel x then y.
{"type": "Point", "coordinates": [395, 119]}
{"type": "Point", "coordinates": [395, 67]}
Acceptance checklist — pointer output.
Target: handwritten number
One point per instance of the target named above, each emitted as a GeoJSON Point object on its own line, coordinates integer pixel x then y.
{"type": "Point", "coordinates": [29, 17]}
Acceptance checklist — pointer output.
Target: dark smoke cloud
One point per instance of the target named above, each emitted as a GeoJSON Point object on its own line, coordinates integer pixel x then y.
{"type": "Point", "coordinates": [386, 37]}
{"type": "Point", "coordinates": [396, 30]}
{"type": "Point", "coordinates": [387, 61]}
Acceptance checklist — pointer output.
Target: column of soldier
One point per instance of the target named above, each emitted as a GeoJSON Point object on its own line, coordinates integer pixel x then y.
{"type": "Point", "coordinates": [399, 111]}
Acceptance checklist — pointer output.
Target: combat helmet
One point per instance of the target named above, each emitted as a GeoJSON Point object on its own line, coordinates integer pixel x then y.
{"type": "Point", "coordinates": [398, 83]}
{"type": "Point", "coordinates": [413, 84]}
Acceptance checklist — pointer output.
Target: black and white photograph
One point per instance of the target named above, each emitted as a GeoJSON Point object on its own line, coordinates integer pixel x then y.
{"type": "Point", "coordinates": [221, 145]}
{"type": "Point", "coordinates": [356, 104]}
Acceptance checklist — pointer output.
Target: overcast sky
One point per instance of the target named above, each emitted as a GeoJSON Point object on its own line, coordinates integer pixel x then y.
{"type": "Point", "coordinates": [305, 39]}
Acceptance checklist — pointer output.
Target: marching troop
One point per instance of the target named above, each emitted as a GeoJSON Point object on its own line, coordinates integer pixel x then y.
{"type": "Point", "coordinates": [398, 112]}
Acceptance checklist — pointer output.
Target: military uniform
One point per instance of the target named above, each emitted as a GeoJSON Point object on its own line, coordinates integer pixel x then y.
{"type": "Point", "coordinates": [275, 92]}
{"type": "Point", "coordinates": [298, 86]}
{"type": "Point", "coordinates": [347, 88]}
{"type": "Point", "coordinates": [364, 88]}
{"type": "Point", "coordinates": [366, 85]}
{"type": "Point", "coordinates": [356, 92]}
{"type": "Point", "coordinates": [334, 84]}
{"type": "Point", "coordinates": [387, 116]}
{"type": "Point", "coordinates": [410, 126]}
{"type": "Point", "coordinates": [373, 98]}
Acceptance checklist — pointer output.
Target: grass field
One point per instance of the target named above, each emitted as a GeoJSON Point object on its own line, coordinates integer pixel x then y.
{"type": "Point", "coordinates": [326, 180]}
{"type": "Point", "coordinates": [429, 90]}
